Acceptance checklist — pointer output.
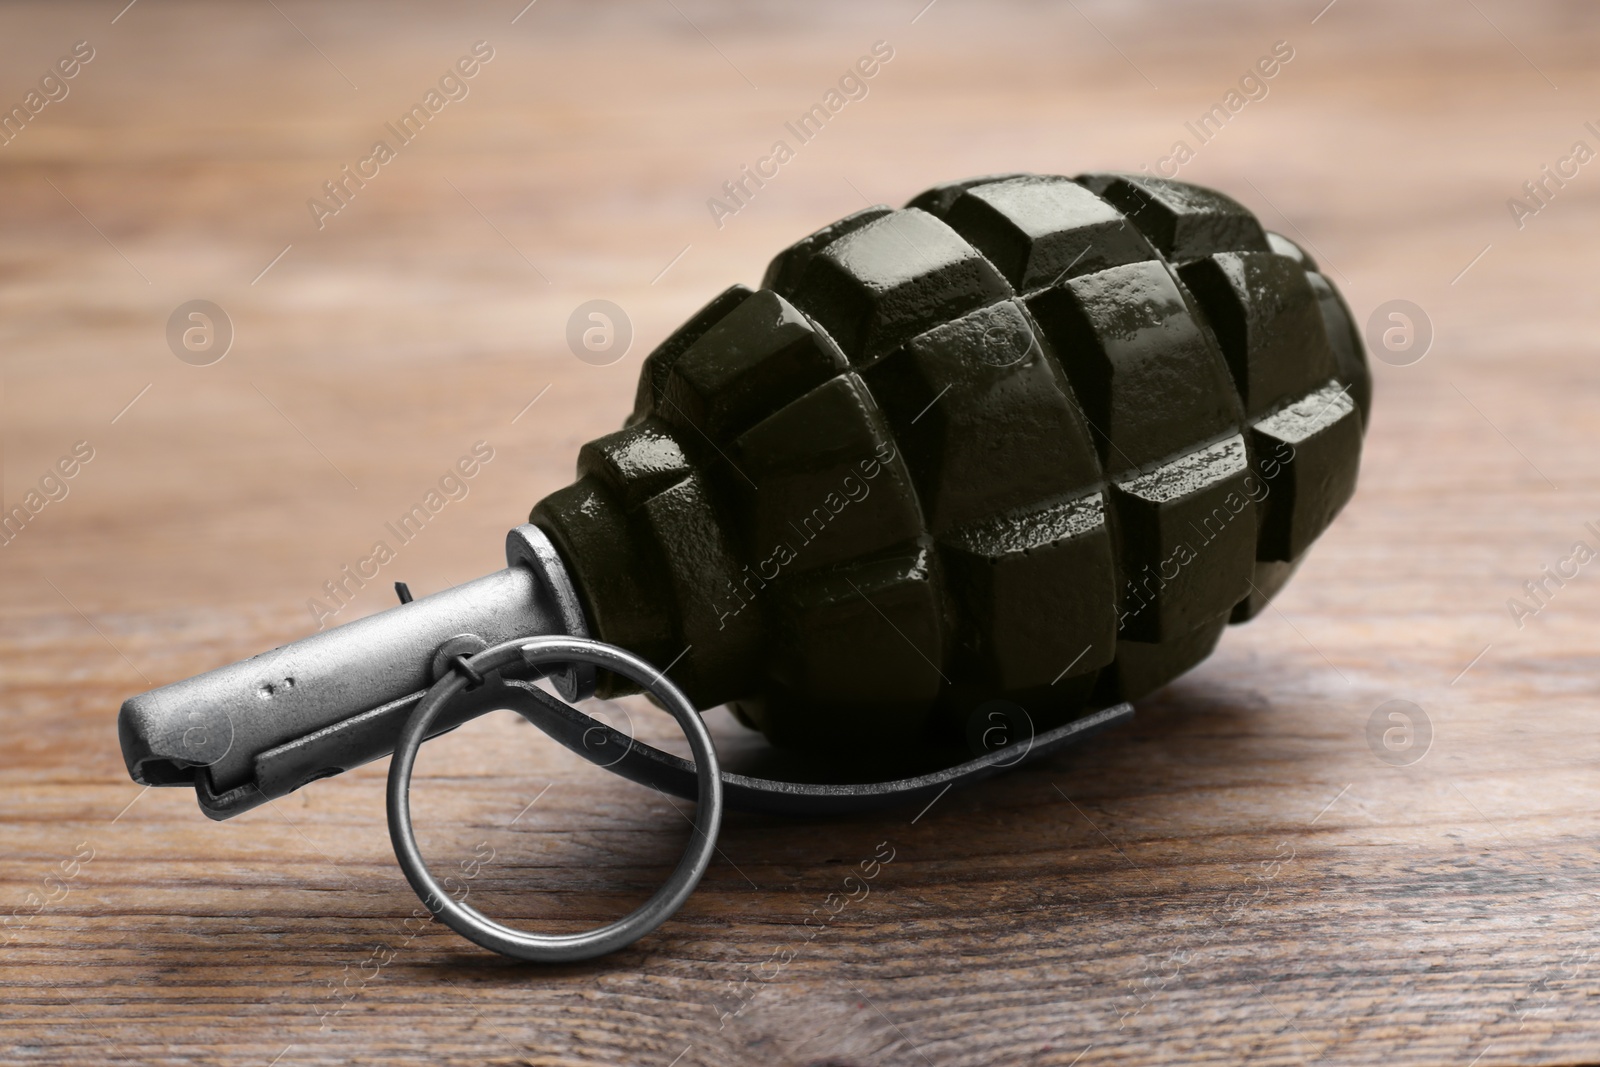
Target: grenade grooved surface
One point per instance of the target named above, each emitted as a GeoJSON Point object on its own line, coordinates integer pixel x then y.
{"type": "Point", "coordinates": [1029, 437]}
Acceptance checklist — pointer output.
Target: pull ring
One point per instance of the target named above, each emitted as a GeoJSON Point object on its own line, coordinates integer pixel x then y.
{"type": "Point", "coordinates": [473, 924]}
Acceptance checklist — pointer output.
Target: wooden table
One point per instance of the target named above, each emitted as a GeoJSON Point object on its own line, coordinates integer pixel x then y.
{"type": "Point", "coordinates": [1238, 877]}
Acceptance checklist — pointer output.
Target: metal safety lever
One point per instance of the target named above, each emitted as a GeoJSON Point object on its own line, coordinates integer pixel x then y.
{"type": "Point", "coordinates": [700, 779]}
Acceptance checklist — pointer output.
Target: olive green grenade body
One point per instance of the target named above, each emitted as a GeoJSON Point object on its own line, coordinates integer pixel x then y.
{"type": "Point", "coordinates": [1028, 438]}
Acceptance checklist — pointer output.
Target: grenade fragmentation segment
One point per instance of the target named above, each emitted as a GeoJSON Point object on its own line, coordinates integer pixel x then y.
{"type": "Point", "coordinates": [1030, 437]}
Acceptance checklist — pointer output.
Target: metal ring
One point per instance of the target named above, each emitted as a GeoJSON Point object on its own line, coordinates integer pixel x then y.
{"type": "Point", "coordinates": [474, 925]}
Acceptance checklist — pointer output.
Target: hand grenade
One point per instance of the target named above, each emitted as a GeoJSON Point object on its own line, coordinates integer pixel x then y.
{"type": "Point", "coordinates": [1029, 437]}
{"type": "Point", "coordinates": [1030, 440]}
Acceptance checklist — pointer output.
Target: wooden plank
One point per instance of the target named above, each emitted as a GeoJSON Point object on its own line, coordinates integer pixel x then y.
{"type": "Point", "coordinates": [1238, 877]}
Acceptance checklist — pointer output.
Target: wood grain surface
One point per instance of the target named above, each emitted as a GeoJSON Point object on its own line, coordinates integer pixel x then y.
{"type": "Point", "coordinates": [1240, 876]}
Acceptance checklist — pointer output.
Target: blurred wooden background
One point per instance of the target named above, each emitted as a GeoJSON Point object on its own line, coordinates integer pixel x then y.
{"type": "Point", "coordinates": [1236, 878]}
